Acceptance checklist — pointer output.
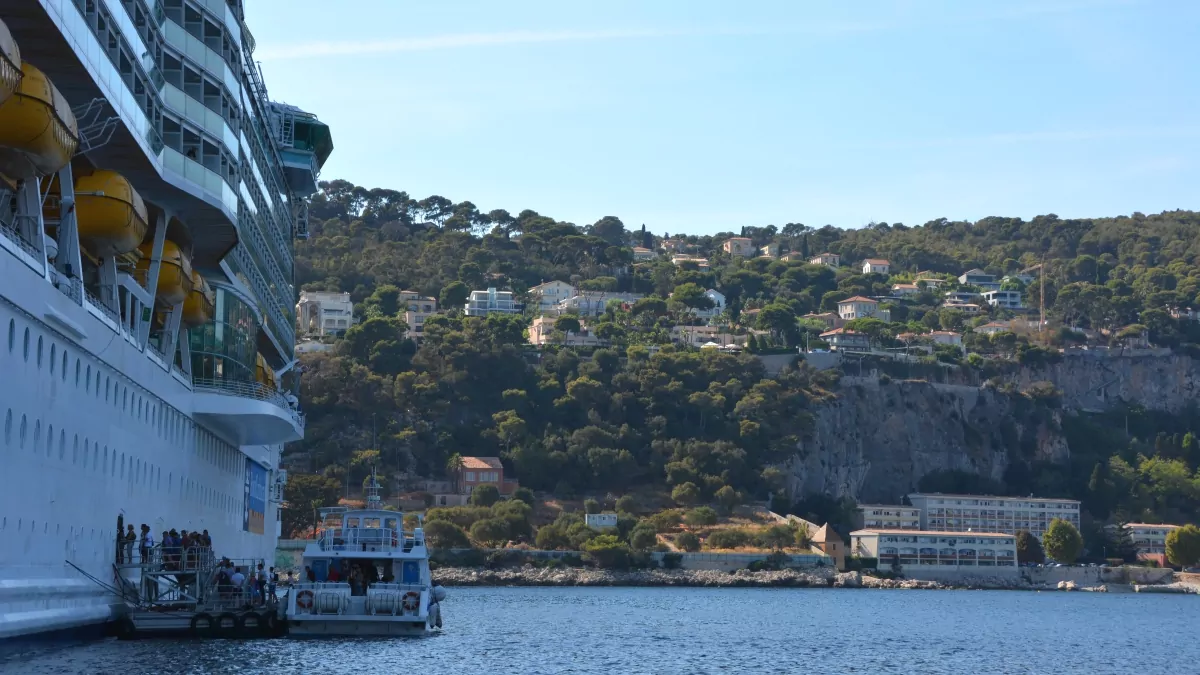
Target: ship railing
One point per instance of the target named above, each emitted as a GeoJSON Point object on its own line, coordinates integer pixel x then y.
{"type": "Point", "coordinates": [254, 390]}
{"type": "Point", "coordinates": [372, 538]}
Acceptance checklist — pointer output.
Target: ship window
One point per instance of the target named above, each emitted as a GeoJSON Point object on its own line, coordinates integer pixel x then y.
{"type": "Point", "coordinates": [75, 450]}
{"type": "Point", "coordinates": [64, 365]}
{"type": "Point", "coordinates": [170, 479]}
{"type": "Point", "coordinates": [53, 356]}
{"type": "Point", "coordinates": [122, 466]}
{"type": "Point", "coordinates": [25, 345]}
{"type": "Point", "coordinates": [12, 334]}
{"type": "Point", "coordinates": [37, 434]}
{"type": "Point", "coordinates": [107, 386]}
{"type": "Point", "coordinates": [39, 352]}
{"type": "Point", "coordinates": [22, 441]}
{"type": "Point", "coordinates": [49, 440]}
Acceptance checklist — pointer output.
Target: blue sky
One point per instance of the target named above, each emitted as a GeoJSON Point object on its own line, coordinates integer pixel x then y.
{"type": "Point", "coordinates": [702, 116]}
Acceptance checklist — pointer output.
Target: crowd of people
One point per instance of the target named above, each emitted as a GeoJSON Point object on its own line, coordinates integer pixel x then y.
{"type": "Point", "coordinates": [176, 550]}
{"type": "Point", "coordinates": [360, 575]}
{"type": "Point", "coordinates": [258, 588]}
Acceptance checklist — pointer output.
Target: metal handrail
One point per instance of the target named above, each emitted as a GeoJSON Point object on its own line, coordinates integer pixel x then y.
{"type": "Point", "coordinates": [254, 390]}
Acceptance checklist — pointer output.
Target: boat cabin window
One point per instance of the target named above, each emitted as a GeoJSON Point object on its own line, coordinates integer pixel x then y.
{"type": "Point", "coordinates": [389, 523]}
{"type": "Point", "coordinates": [352, 522]}
{"type": "Point", "coordinates": [370, 522]}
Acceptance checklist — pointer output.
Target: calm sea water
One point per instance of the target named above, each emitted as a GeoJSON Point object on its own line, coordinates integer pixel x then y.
{"type": "Point", "coordinates": [621, 630]}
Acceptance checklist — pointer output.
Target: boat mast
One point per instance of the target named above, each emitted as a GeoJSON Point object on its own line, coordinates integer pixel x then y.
{"type": "Point", "coordinates": [373, 500]}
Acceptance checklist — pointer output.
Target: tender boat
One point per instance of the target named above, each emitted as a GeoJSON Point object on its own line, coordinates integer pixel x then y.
{"type": "Point", "coordinates": [365, 575]}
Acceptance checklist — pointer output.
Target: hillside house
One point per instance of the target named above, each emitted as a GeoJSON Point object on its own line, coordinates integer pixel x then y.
{"type": "Point", "coordinates": [1004, 299]}
{"type": "Point", "coordinates": [857, 307]}
{"type": "Point", "coordinates": [418, 308]}
{"type": "Point", "coordinates": [491, 301]}
{"type": "Point", "coordinates": [547, 295]}
{"type": "Point", "coordinates": [827, 259]}
{"type": "Point", "coordinates": [593, 303]}
{"type": "Point", "coordinates": [770, 250]}
{"type": "Point", "coordinates": [994, 327]}
{"type": "Point", "coordinates": [541, 333]}
{"type": "Point", "coordinates": [905, 290]}
{"type": "Point", "coordinates": [875, 266]}
{"type": "Point", "coordinates": [946, 337]}
{"type": "Point", "coordinates": [321, 313]}
{"type": "Point", "coordinates": [977, 277]}
{"type": "Point", "coordinates": [643, 254]}
{"type": "Point", "coordinates": [739, 246]}
{"type": "Point", "coordinates": [476, 471]}
{"type": "Point", "coordinates": [845, 340]}
{"type": "Point", "coordinates": [680, 260]}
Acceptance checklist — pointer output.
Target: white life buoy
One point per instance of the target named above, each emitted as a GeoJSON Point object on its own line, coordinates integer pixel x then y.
{"type": "Point", "coordinates": [304, 599]}
{"type": "Point", "coordinates": [411, 601]}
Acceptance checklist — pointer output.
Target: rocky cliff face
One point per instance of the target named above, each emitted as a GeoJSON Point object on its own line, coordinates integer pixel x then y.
{"type": "Point", "coordinates": [1096, 381]}
{"type": "Point", "coordinates": [876, 440]}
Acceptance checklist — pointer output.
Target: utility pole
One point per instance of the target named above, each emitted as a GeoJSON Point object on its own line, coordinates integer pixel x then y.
{"type": "Point", "coordinates": [1042, 297]}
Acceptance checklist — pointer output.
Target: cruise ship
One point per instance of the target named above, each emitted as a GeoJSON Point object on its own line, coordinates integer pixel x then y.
{"type": "Point", "coordinates": [150, 195]}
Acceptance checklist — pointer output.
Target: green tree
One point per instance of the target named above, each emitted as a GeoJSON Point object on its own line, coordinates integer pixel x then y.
{"type": "Point", "coordinates": [1118, 543]}
{"type": "Point", "coordinates": [490, 531]}
{"type": "Point", "coordinates": [303, 495]}
{"type": "Point", "coordinates": [1029, 549]}
{"type": "Point", "coordinates": [445, 534]}
{"type": "Point", "coordinates": [485, 495]}
{"type": "Point", "coordinates": [643, 537]}
{"type": "Point", "coordinates": [700, 516]}
{"type": "Point", "coordinates": [692, 296]}
{"type": "Point", "coordinates": [524, 494]}
{"type": "Point", "coordinates": [1062, 541]}
{"type": "Point", "coordinates": [626, 504]}
{"type": "Point", "coordinates": [687, 541]}
{"type": "Point", "coordinates": [685, 494]}
{"type": "Point", "coordinates": [1183, 546]}
{"type": "Point", "coordinates": [454, 295]}
{"type": "Point", "coordinates": [728, 498]}
{"type": "Point", "coordinates": [777, 537]}
{"type": "Point", "coordinates": [567, 324]}
{"type": "Point", "coordinates": [591, 506]}
{"type": "Point", "coordinates": [608, 551]}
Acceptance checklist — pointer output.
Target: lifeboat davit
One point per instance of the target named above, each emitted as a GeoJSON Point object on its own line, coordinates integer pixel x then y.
{"type": "Point", "coordinates": [10, 64]}
{"type": "Point", "coordinates": [198, 307]}
{"type": "Point", "coordinates": [38, 133]}
{"type": "Point", "coordinates": [174, 276]}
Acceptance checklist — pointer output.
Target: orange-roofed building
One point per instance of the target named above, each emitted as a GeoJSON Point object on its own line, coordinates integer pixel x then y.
{"type": "Point", "coordinates": [476, 471]}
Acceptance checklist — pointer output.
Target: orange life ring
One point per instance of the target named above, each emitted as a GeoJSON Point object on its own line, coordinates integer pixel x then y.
{"type": "Point", "coordinates": [411, 601]}
{"type": "Point", "coordinates": [304, 599]}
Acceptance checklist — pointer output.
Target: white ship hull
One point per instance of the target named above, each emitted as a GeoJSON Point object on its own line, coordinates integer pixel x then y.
{"type": "Point", "coordinates": [73, 461]}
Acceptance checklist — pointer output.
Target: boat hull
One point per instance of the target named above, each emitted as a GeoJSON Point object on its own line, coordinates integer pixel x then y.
{"type": "Point", "coordinates": [360, 626]}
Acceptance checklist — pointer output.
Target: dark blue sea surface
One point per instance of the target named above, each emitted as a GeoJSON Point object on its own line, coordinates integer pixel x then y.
{"type": "Point", "coordinates": [681, 630]}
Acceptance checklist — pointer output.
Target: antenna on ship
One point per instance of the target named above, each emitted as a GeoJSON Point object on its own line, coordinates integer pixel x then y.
{"type": "Point", "coordinates": [373, 501]}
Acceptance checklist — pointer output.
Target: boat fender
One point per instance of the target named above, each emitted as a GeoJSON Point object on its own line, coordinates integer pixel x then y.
{"type": "Point", "coordinates": [201, 623]}
{"type": "Point", "coordinates": [411, 601]}
{"type": "Point", "coordinates": [250, 623]}
{"type": "Point", "coordinates": [439, 593]}
{"type": "Point", "coordinates": [227, 625]}
{"type": "Point", "coordinates": [437, 616]}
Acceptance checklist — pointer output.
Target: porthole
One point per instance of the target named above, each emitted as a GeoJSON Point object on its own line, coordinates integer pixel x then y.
{"type": "Point", "coordinates": [63, 368]}
{"type": "Point", "coordinates": [107, 388]}
{"type": "Point", "coordinates": [25, 346]}
{"type": "Point", "coordinates": [75, 450]}
{"type": "Point", "coordinates": [77, 371]}
{"type": "Point", "coordinates": [49, 440]}
{"type": "Point", "coordinates": [87, 384]}
{"type": "Point", "coordinates": [53, 357]}
{"type": "Point", "coordinates": [12, 334]}
{"type": "Point", "coordinates": [37, 434]}
{"type": "Point", "coordinates": [22, 444]}
{"type": "Point", "coordinates": [39, 352]}
{"type": "Point", "coordinates": [62, 444]}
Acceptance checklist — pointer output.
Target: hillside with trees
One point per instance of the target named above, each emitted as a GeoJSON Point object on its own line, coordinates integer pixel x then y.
{"type": "Point", "coordinates": [645, 412]}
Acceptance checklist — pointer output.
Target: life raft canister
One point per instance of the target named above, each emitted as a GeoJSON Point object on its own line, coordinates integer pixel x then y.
{"type": "Point", "coordinates": [411, 601]}
{"type": "Point", "coordinates": [304, 599]}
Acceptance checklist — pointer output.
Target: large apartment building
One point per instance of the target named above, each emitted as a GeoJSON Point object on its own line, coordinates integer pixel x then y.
{"type": "Point", "coordinates": [1151, 540]}
{"type": "Point", "coordinates": [937, 551]}
{"type": "Point", "coordinates": [985, 513]}
{"type": "Point", "coordinates": [482, 303]}
{"type": "Point", "coordinates": [889, 517]}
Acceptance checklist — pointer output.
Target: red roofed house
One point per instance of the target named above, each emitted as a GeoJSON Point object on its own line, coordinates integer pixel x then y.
{"type": "Point", "coordinates": [875, 266]}
{"type": "Point", "coordinates": [476, 471]}
{"type": "Point", "coordinates": [857, 307]}
{"type": "Point", "coordinates": [842, 340]}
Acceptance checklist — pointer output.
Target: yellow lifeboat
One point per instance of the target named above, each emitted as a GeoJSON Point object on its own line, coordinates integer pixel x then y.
{"type": "Point", "coordinates": [10, 64]}
{"type": "Point", "coordinates": [38, 133]}
{"type": "Point", "coordinates": [264, 374]}
{"type": "Point", "coordinates": [198, 307]}
{"type": "Point", "coordinates": [111, 215]}
{"type": "Point", "coordinates": [174, 276]}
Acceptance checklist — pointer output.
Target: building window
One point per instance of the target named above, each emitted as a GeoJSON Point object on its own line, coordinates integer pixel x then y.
{"type": "Point", "coordinates": [470, 476]}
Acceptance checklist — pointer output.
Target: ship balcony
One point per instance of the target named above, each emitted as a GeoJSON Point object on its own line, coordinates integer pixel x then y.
{"type": "Point", "coordinates": [248, 412]}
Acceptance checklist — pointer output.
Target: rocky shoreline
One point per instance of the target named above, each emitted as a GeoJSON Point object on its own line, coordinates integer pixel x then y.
{"type": "Point", "coordinates": [578, 576]}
